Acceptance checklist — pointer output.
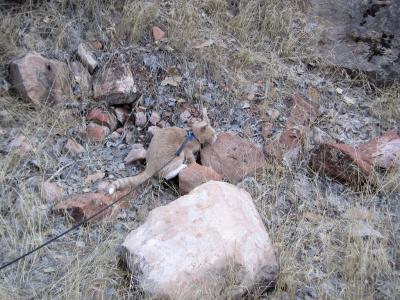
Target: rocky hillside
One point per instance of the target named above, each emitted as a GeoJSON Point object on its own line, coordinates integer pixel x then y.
{"type": "Point", "coordinates": [297, 198]}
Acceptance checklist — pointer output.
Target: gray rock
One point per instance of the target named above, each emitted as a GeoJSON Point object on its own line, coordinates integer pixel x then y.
{"type": "Point", "coordinates": [359, 36]}
{"type": "Point", "coordinates": [87, 57]}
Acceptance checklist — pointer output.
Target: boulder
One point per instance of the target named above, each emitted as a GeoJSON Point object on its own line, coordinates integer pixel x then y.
{"type": "Point", "coordinates": [192, 247]}
{"type": "Point", "coordinates": [40, 80]}
{"type": "Point", "coordinates": [356, 165]}
{"type": "Point", "coordinates": [83, 206]}
{"type": "Point", "coordinates": [115, 85]}
{"type": "Point", "coordinates": [358, 36]}
{"type": "Point", "coordinates": [287, 145]}
{"type": "Point", "coordinates": [195, 175]}
{"type": "Point", "coordinates": [233, 157]}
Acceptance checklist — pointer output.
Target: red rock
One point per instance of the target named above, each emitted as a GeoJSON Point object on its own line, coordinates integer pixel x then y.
{"type": "Point", "coordinates": [52, 191]}
{"type": "Point", "coordinates": [356, 165]}
{"type": "Point", "coordinates": [96, 132]}
{"type": "Point", "coordinates": [74, 147]}
{"type": "Point", "coordinates": [122, 114]}
{"type": "Point", "coordinates": [82, 206]}
{"type": "Point", "coordinates": [98, 45]}
{"type": "Point", "coordinates": [115, 85]}
{"type": "Point", "coordinates": [137, 153]}
{"type": "Point", "coordinates": [195, 175]}
{"type": "Point", "coordinates": [103, 117]}
{"type": "Point", "coordinates": [233, 157]}
{"type": "Point", "coordinates": [154, 118]}
{"type": "Point", "coordinates": [158, 33]}
{"type": "Point", "coordinates": [302, 113]}
{"type": "Point", "coordinates": [343, 163]}
{"type": "Point", "coordinates": [21, 143]}
{"type": "Point", "coordinates": [40, 80]}
{"type": "Point", "coordinates": [287, 146]}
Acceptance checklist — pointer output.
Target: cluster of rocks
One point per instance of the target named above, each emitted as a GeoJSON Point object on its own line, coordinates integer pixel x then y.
{"type": "Point", "coordinates": [214, 232]}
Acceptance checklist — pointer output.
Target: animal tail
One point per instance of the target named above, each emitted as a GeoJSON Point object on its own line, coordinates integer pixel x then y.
{"type": "Point", "coordinates": [126, 182]}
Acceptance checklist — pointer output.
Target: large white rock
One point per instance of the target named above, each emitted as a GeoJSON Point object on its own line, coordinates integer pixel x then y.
{"type": "Point", "coordinates": [200, 243]}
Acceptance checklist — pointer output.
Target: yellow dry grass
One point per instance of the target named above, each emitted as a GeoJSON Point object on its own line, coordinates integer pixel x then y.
{"type": "Point", "coordinates": [304, 214]}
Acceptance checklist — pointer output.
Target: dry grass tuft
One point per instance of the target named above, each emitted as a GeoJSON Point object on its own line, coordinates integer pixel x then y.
{"type": "Point", "coordinates": [305, 214]}
{"type": "Point", "coordinates": [137, 17]}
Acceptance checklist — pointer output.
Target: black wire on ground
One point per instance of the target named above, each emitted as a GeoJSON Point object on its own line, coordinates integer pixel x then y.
{"type": "Point", "coordinates": [189, 137]}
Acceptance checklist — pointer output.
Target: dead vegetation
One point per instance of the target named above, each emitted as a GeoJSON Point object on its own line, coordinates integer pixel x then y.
{"type": "Point", "coordinates": [305, 215]}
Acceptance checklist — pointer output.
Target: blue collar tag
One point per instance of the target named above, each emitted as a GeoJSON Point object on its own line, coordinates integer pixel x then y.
{"type": "Point", "coordinates": [190, 135]}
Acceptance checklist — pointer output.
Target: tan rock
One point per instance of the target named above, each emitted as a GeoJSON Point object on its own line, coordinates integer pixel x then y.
{"type": "Point", "coordinates": [92, 178]}
{"type": "Point", "coordinates": [267, 130]}
{"type": "Point", "coordinates": [82, 206]}
{"type": "Point", "coordinates": [358, 213]}
{"type": "Point", "coordinates": [40, 80]}
{"type": "Point", "coordinates": [122, 114]}
{"type": "Point", "coordinates": [82, 78]}
{"type": "Point", "coordinates": [233, 157]}
{"type": "Point", "coordinates": [273, 114]}
{"type": "Point", "coordinates": [140, 119]}
{"type": "Point", "coordinates": [154, 118]}
{"type": "Point", "coordinates": [20, 143]}
{"type": "Point", "coordinates": [158, 33]}
{"type": "Point", "coordinates": [115, 85]}
{"type": "Point", "coordinates": [96, 132]}
{"type": "Point", "coordinates": [361, 229]}
{"type": "Point", "coordinates": [185, 116]}
{"type": "Point", "coordinates": [87, 57]}
{"type": "Point", "coordinates": [382, 151]}
{"type": "Point", "coordinates": [52, 192]}
{"type": "Point", "coordinates": [188, 248]}
{"type": "Point", "coordinates": [151, 130]}
{"type": "Point", "coordinates": [74, 147]}
{"type": "Point", "coordinates": [103, 117]}
{"type": "Point", "coordinates": [137, 153]}
{"type": "Point", "coordinates": [195, 175]}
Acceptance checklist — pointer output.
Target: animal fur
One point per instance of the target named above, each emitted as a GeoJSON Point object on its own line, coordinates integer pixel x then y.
{"type": "Point", "coordinates": [162, 149]}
